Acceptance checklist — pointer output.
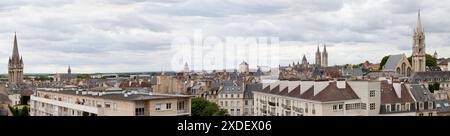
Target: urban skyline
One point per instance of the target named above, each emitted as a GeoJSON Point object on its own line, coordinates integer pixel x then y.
{"type": "Point", "coordinates": [104, 38]}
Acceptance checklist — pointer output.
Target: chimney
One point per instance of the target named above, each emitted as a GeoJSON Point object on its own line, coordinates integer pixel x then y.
{"type": "Point", "coordinates": [340, 84]}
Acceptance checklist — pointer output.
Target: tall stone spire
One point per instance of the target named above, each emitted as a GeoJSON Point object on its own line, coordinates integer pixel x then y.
{"type": "Point", "coordinates": [418, 52]}
{"type": "Point", "coordinates": [324, 56]}
{"type": "Point", "coordinates": [318, 57]}
{"type": "Point", "coordinates": [15, 65]}
{"type": "Point", "coordinates": [69, 71]}
{"type": "Point", "coordinates": [419, 27]}
{"type": "Point", "coordinates": [15, 55]}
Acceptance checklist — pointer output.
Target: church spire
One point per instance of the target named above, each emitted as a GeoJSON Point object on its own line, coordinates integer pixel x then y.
{"type": "Point", "coordinates": [418, 23]}
{"type": "Point", "coordinates": [324, 48]}
{"type": "Point", "coordinates": [15, 56]}
{"type": "Point", "coordinates": [69, 71]}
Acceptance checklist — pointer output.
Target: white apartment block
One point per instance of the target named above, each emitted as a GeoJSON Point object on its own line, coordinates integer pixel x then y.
{"type": "Point", "coordinates": [318, 98]}
{"type": "Point", "coordinates": [76, 102]}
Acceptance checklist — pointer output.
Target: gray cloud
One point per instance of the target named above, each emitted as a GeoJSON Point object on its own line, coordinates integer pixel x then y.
{"type": "Point", "coordinates": [135, 35]}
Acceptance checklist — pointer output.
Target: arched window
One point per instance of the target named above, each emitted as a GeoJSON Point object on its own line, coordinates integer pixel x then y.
{"type": "Point", "coordinates": [398, 70]}
{"type": "Point", "coordinates": [404, 68]}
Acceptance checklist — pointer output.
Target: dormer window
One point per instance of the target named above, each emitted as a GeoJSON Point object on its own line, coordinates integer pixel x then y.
{"type": "Point", "coordinates": [388, 108]}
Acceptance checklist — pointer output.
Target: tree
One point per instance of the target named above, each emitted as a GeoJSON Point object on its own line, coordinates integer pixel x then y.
{"type": "Point", "coordinates": [19, 112]}
{"type": "Point", "coordinates": [434, 86]}
{"type": "Point", "coordinates": [24, 111]}
{"type": "Point", "coordinates": [383, 62]}
{"type": "Point", "coordinates": [202, 107]}
{"type": "Point", "coordinates": [430, 60]}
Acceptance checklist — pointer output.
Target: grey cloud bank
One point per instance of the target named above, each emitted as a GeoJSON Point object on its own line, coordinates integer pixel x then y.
{"type": "Point", "coordinates": [135, 35]}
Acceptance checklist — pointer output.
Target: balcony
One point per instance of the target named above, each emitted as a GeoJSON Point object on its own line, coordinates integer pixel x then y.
{"type": "Point", "coordinates": [182, 112]}
{"type": "Point", "coordinates": [287, 107]}
{"type": "Point", "coordinates": [271, 103]}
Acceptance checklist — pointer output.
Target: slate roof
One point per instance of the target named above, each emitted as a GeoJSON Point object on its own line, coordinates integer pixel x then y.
{"type": "Point", "coordinates": [421, 93]}
{"type": "Point", "coordinates": [329, 93]}
{"type": "Point", "coordinates": [392, 62]}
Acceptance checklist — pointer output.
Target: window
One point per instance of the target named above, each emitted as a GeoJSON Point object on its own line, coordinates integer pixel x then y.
{"type": "Point", "coordinates": [139, 111]}
{"type": "Point", "coordinates": [158, 107]}
{"type": "Point", "coordinates": [238, 112]}
{"type": "Point", "coordinates": [168, 106]}
{"type": "Point", "coordinates": [397, 107]}
{"type": "Point", "coordinates": [232, 111]}
{"type": "Point", "coordinates": [430, 105]}
{"type": "Point", "coordinates": [232, 103]}
{"type": "Point", "coordinates": [334, 107]}
{"type": "Point", "coordinates": [420, 105]}
{"type": "Point", "coordinates": [408, 106]}
{"type": "Point", "coordinates": [341, 106]}
{"type": "Point", "coordinates": [221, 103]}
{"type": "Point", "coordinates": [388, 108]}
{"type": "Point", "coordinates": [232, 96]}
{"type": "Point", "coordinates": [372, 106]}
{"type": "Point", "coordinates": [372, 93]}
{"type": "Point", "coordinates": [246, 102]}
{"type": "Point", "coordinates": [180, 105]}
{"type": "Point", "coordinates": [238, 103]}
{"type": "Point", "coordinates": [107, 105]}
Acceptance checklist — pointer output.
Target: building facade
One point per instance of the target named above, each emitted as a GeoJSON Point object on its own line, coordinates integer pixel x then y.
{"type": "Point", "coordinates": [318, 98]}
{"type": "Point", "coordinates": [63, 102]}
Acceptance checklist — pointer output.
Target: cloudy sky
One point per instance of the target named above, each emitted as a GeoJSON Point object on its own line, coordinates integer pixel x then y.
{"type": "Point", "coordinates": [135, 35]}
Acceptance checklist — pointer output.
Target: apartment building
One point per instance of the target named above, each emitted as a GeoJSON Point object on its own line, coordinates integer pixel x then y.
{"type": "Point", "coordinates": [238, 100]}
{"type": "Point", "coordinates": [318, 98]}
{"type": "Point", "coordinates": [77, 102]}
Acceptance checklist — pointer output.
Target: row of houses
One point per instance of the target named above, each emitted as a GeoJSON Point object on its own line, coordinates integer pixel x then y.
{"type": "Point", "coordinates": [347, 98]}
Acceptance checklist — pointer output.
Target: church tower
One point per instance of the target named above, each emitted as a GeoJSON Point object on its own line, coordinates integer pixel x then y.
{"type": "Point", "coordinates": [418, 54]}
{"type": "Point", "coordinates": [318, 57]}
{"type": "Point", "coordinates": [324, 56]}
{"type": "Point", "coordinates": [69, 71]}
{"type": "Point", "coordinates": [15, 65]}
{"type": "Point", "coordinates": [304, 61]}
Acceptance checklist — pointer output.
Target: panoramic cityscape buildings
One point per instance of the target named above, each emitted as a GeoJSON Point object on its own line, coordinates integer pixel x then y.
{"type": "Point", "coordinates": [417, 84]}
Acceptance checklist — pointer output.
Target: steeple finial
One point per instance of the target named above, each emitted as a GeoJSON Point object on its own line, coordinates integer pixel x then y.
{"type": "Point", "coordinates": [324, 48]}
{"type": "Point", "coordinates": [418, 23]}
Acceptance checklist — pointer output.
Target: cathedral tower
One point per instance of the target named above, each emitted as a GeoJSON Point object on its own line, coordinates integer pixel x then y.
{"type": "Point", "coordinates": [318, 57]}
{"type": "Point", "coordinates": [324, 56]}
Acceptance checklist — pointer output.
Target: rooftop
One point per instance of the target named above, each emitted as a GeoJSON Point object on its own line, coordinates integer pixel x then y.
{"type": "Point", "coordinates": [114, 95]}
